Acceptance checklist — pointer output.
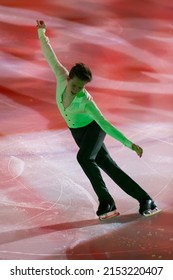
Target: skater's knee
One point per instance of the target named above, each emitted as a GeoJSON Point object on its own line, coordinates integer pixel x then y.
{"type": "Point", "coordinates": [82, 158]}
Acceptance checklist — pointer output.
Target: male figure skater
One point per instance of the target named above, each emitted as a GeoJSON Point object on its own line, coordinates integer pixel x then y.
{"type": "Point", "coordinates": [89, 127]}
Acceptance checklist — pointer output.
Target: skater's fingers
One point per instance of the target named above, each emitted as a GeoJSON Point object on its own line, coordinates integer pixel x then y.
{"type": "Point", "coordinates": [137, 149]}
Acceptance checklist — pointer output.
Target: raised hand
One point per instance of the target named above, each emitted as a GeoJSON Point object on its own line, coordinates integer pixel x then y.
{"type": "Point", "coordinates": [40, 24]}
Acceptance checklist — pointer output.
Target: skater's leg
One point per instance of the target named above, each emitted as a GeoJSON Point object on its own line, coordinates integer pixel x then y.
{"type": "Point", "coordinates": [126, 183]}
{"type": "Point", "coordinates": [90, 140]}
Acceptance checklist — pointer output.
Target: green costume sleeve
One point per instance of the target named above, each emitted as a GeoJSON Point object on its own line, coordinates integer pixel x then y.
{"type": "Point", "coordinates": [92, 109]}
{"type": "Point", "coordinates": [50, 56]}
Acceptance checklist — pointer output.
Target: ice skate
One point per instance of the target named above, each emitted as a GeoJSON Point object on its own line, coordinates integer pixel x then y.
{"type": "Point", "coordinates": [149, 208]}
{"type": "Point", "coordinates": [109, 215]}
{"type": "Point", "coordinates": [107, 210]}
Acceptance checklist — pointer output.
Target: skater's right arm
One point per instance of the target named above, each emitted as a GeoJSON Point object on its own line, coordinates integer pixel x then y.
{"type": "Point", "coordinates": [58, 69]}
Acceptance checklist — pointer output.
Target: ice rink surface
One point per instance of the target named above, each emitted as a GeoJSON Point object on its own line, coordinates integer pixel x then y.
{"type": "Point", "coordinates": [47, 205]}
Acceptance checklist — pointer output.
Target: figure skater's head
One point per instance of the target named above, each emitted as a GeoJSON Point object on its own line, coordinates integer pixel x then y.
{"type": "Point", "coordinates": [79, 76]}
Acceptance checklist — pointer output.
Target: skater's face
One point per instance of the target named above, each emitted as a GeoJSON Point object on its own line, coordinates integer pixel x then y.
{"type": "Point", "coordinates": [75, 85]}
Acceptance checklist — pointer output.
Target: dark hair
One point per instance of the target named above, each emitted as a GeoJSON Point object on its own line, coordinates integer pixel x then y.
{"type": "Point", "coordinates": [81, 71]}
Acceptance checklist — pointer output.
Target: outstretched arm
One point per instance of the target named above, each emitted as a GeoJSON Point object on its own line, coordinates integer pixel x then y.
{"type": "Point", "coordinates": [48, 52]}
{"type": "Point", "coordinates": [92, 109]}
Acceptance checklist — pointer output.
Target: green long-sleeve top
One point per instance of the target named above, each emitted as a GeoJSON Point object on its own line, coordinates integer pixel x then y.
{"type": "Point", "coordinates": [81, 111]}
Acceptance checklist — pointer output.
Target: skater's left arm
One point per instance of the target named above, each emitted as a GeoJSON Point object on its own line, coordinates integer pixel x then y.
{"type": "Point", "coordinates": [92, 109]}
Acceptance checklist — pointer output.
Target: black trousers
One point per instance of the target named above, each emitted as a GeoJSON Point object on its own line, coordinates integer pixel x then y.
{"type": "Point", "coordinates": [93, 154]}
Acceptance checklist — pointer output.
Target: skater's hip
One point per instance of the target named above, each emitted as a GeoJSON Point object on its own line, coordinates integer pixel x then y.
{"type": "Point", "coordinates": [86, 131]}
{"type": "Point", "coordinates": [82, 130]}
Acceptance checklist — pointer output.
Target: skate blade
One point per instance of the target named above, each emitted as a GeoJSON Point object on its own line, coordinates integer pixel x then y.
{"type": "Point", "coordinates": [109, 215]}
{"type": "Point", "coordinates": [149, 213]}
